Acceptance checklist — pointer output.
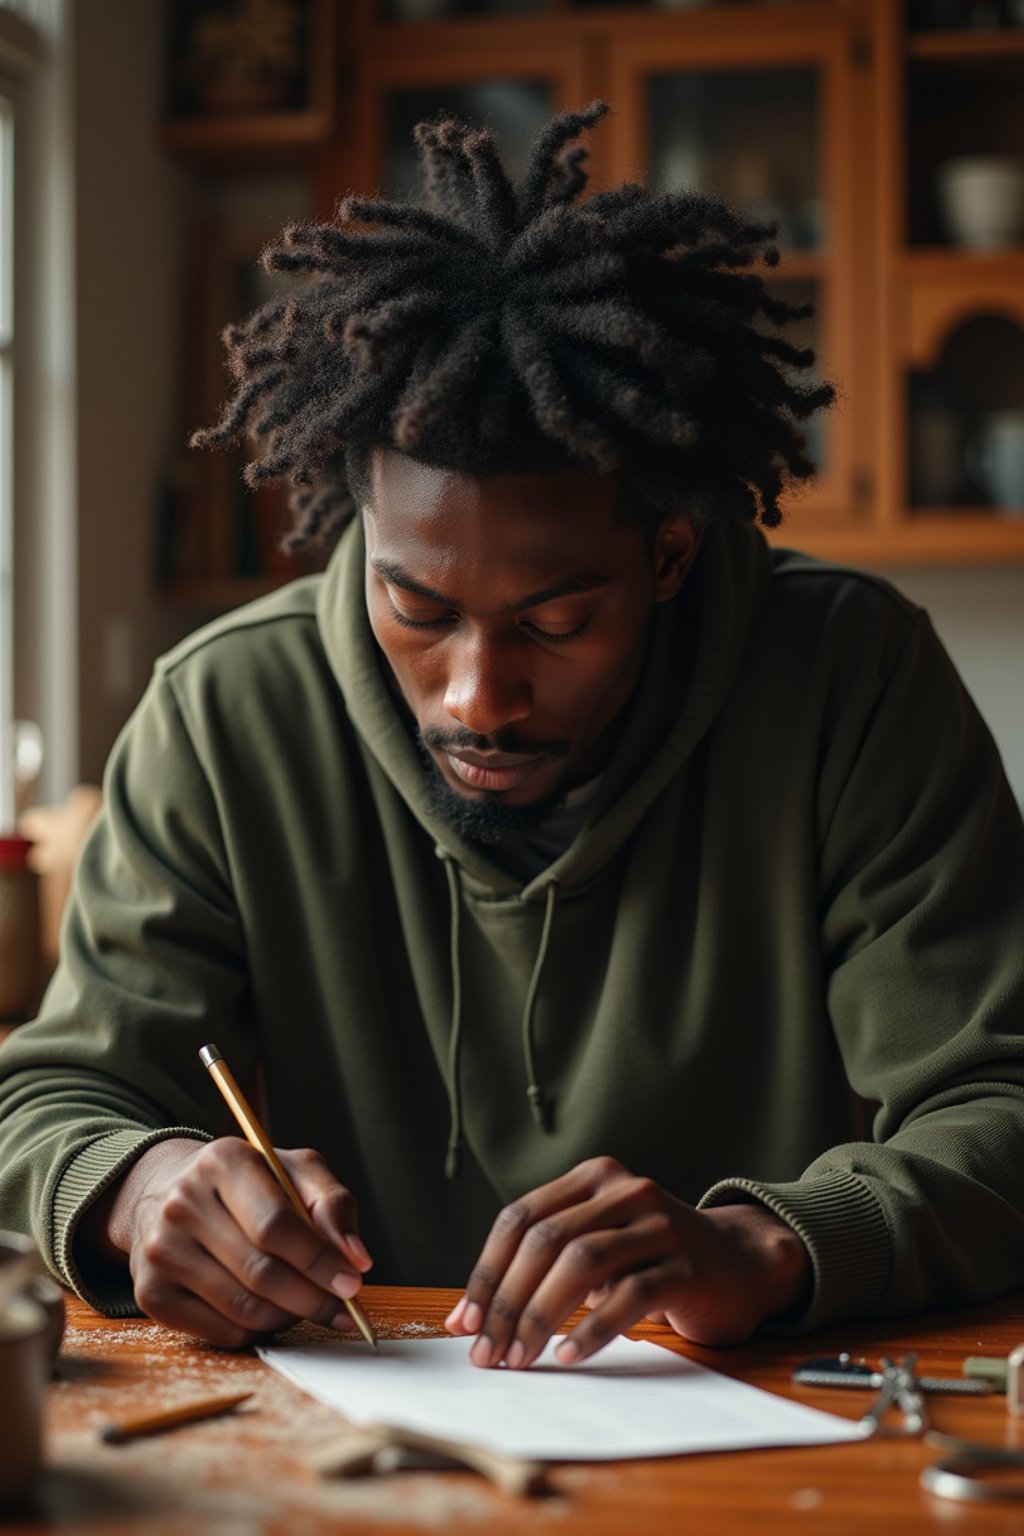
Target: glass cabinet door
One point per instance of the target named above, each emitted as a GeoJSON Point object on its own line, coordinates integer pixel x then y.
{"type": "Point", "coordinates": [515, 109]}
{"type": "Point", "coordinates": [751, 135]}
{"type": "Point", "coordinates": [496, 74]}
{"type": "Point", "coordinates": [760, 122]}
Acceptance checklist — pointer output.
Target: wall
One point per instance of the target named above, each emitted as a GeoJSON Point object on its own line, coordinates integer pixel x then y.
{"type": "Point", "coordinates": [129, 231]}
{"type": "Point", "coordinates": [135, 210]}
{"type": "Point", "coordinates": [979, 614]}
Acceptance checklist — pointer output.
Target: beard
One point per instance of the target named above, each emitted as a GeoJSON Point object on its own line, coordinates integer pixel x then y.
{"type": "Point", "coordinates": [486, 818]}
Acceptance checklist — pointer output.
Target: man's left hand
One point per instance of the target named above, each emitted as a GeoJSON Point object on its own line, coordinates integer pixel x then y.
{"type": "Point", "coordinates": [601, 1235]}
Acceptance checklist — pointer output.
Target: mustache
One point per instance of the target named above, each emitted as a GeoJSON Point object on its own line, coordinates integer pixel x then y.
{"type": "Point", "coordinates": [506, 740]}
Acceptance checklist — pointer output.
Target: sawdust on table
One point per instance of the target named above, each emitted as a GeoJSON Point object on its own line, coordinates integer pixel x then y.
{"type": "Point", "coordinates": [192, 1474]}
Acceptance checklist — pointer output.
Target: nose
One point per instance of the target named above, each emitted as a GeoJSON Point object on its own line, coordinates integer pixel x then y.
{"type": "Point", "coordinates": [488, 686]}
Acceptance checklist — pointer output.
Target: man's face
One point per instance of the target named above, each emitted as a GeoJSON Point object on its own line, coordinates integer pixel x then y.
{"type": "Point", "coordinates": [514, 612]}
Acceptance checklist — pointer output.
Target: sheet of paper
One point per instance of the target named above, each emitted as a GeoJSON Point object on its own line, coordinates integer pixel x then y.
{"type": "Point", "coordinates": [631, 1399]}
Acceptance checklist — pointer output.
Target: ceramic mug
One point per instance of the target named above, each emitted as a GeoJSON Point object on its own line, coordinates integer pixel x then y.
{"type": "Point", "coordinates": [995, 458]}
{"type": "Point", "coordinates": [31, 1324]}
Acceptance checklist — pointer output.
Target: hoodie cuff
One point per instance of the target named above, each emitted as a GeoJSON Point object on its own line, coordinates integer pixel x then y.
{"type": "Point", "coordinates": [88, 1175]}
{"type": "Point", "coordinates": [843, 1228]}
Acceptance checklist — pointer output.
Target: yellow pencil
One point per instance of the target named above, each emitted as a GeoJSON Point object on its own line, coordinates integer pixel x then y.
{"type": "Point", "coordinates": [256, 1136]}
{"type": "Point", "coordinates": [170, 1418]}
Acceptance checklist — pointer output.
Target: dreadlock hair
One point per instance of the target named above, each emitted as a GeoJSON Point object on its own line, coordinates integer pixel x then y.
{"type": "Point", "coordinates": [496, 329]}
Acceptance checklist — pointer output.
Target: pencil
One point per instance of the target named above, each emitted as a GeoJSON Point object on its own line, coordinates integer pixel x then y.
{"type": "Point", "coordinates": [186, 1413]}
{"type": "Point", "coordinates": [257, 1137]}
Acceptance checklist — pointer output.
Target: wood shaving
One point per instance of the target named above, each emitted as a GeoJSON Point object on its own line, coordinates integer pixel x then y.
{"type": "Point", "coordinates": [249, 1473]}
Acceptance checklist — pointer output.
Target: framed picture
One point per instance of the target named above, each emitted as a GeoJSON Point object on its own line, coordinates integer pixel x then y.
{"type": "Point", "coordinates": [235, 57]}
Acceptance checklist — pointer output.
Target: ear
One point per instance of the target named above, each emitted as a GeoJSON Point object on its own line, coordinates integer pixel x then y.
{"type": "Point", "coordinates": [675, 548]}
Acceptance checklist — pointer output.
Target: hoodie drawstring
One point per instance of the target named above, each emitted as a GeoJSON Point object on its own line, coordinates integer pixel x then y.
{"type": "Point", "coordinates": [534, 1090]}
{"type": "Point", "coordinates": [453, 1158]}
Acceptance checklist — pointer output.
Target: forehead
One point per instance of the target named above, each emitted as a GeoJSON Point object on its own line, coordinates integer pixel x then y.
{"type": "Point", "coordinates": [423, 512]}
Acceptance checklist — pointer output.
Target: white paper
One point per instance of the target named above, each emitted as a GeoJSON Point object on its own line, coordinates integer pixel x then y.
{"type": "Point", "coordinates": [631, 1399]}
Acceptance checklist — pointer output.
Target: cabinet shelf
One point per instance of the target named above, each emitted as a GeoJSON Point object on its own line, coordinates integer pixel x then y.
{"type": "Point", "coordinates": [261, 139]}
{"type": "Point", "coordinates": [951, 265]}
{"type": "Point", "coordinates": [1000, 48]}
{"type": "Point", "coordinates": [946, 288]}
{"type": "Point", "coordinates": [959, 536]}
{"type": "Point", "coordinates": [265, 137]}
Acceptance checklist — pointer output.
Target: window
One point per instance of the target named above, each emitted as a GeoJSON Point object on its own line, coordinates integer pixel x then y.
{"type": "Point", "coordinates": [20, 37]}
{"type": "Point", "coordinates": [6, 466]}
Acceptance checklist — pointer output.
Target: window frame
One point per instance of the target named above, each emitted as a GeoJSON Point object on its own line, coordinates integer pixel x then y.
{"type": "Point", "coordinates": [8, 110]}
{"type": "Point", "coordinates": [39, 624]}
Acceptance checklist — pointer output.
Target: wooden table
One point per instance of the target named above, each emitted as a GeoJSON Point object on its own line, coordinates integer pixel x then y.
{"type": "Point", "coordinates": [250, 1474]}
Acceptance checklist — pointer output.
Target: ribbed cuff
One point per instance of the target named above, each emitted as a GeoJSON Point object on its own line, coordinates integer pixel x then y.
{"type": "Point", "coordinates": [86, 1177]}
{"type": "Point", "coordinates": [844, 1229]}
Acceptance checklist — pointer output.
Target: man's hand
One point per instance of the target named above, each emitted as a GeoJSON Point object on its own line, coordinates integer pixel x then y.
{"type": "Point", "coordinates": [215, 1248]}
{"type": "Point", "coordinates": [630, 1250]}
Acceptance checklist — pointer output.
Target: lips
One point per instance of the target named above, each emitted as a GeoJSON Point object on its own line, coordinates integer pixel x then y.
{"type": "Point", "coordinates": [497, 772]}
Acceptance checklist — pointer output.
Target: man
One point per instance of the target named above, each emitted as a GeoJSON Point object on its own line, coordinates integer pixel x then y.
{"type": "Point", "coordinates": [578, 875]}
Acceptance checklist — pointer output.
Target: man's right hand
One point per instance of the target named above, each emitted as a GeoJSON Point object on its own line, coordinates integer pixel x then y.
{"type": "Point", "coordinates": [215, 1248]}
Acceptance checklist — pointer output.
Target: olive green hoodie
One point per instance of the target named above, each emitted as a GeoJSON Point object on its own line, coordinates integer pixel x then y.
{"type": "Point", "coordinates": [794, 918]}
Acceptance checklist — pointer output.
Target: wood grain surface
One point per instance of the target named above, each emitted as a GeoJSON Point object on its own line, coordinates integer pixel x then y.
{"type": "Point", "coordinates": [252, 1473]}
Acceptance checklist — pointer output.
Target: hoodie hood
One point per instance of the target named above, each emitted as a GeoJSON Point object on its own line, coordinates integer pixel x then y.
{"type": "Point", "coordinates": [695, 649]}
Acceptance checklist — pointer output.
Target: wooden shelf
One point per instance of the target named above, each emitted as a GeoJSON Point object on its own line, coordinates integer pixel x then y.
{"type": "Point", "coordinates": [958, 536]}
{"type": "Point", "coordinates": [999, 46]}
{"type": "Point", "coordinates": [947, 287]}
{"type": "Point", "coordinates": [951, 264]}
{"type": "Point", "coordinates": [270, 138]}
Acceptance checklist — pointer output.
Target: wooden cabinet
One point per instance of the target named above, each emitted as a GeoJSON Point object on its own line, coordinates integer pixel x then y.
{"type": "Point", "coordinates": [951, 348]}
{"type": "Point", "coordinates": [760, 108]}
{"type": "Point", "coordinates": [834, 117]}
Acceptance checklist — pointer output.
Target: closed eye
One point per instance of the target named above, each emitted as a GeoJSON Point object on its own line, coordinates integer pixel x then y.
{"type": "Point", "coordinates": [408, 623]}
{"type": "Point", "coordinates": [558, 635]}
{"type": "Point", "coordinates": [442, 620]}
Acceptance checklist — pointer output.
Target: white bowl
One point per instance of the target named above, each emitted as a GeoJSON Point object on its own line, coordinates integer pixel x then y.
{"type": "Point", "coordinates": [983, 200]}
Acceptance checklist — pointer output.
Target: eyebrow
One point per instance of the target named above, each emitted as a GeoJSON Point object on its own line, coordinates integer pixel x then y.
{"type": "Point", "coordinates": [584, 581]}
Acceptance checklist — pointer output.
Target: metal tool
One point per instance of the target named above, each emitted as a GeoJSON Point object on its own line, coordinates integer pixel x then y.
{"type": "Point", "coordinates": [960, 1473]}
{"type": "Point", "coordinates": [896, 1383]}
{"type": "Point", "coordinates": [843, 1371]}
{"type": "Point", "coordinates": [1006, 1374]}
{"type": "Point", "coordinates": [990, 1368]}
{"type": "Point", "coordinates": [1015, 1380]}
{"type": "Point", "coordinates": [900, 1388]}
